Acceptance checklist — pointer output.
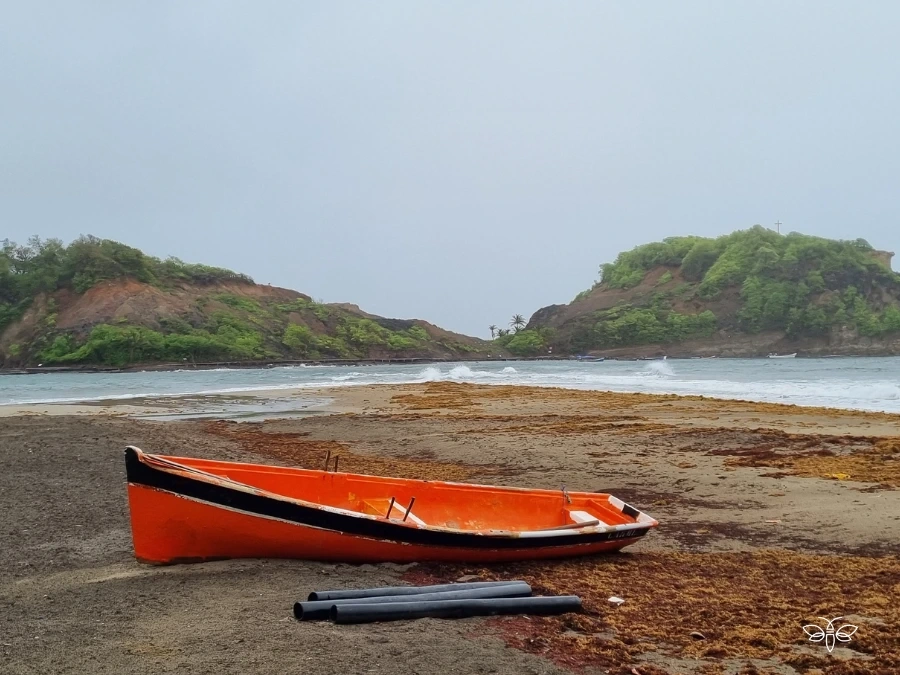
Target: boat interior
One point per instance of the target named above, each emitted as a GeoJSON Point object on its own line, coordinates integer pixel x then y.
{"type": "Point", "coordinates": [418, 503]}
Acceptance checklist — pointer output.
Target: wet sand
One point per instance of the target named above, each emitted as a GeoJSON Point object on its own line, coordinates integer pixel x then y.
{"type": "Point", "coordinates": [770, 517]}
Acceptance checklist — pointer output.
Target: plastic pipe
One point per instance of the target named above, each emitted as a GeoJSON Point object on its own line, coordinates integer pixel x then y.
{"type": "Point", "coordinates": [453, 609]}
{"type": "Point", "coordinates": [403, 590]}
{"type": "Point", "coordinates": [321, 609]}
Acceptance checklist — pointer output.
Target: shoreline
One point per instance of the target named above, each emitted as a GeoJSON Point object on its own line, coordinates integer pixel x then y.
{"type": "Point", "coordinates": [237, 365]}
{"type": "Point", "coordinates": [267, 364]}
{"type": "Point", "coordinates": [275, 404]}
{"type": "Point", "coordinates": [854, 386]}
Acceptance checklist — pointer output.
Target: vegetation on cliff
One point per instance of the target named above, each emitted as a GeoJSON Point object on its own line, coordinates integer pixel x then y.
{"type": "Point", "coordinates": [519, 341]}
{"type": "Point", "coordinates": [45, 266]}
{"type": "Point", "coordinates": [102, 302]}
{"type": "Point", "coordinates": [746, 282]}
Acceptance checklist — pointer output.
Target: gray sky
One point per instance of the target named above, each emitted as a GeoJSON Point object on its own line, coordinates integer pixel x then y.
{"type": "Point", "coordinates": [457, 162]}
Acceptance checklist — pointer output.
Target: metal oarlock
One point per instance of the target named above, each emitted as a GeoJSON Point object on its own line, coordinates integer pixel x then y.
{"type": "Point", "coordinates": [409, 508]}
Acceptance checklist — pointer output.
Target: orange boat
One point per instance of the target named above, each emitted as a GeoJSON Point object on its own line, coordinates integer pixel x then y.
{"type": "Point", "coordinates": [193, 510]}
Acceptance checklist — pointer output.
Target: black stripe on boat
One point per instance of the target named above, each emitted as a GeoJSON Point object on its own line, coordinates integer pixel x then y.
{"type": "Point", "coordinates": [140, 473]}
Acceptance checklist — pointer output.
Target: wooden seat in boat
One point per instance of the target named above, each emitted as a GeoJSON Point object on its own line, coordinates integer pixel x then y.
{"type": "Point", "coordinates": [584, 517]}
{"type": "Point", "coordinates": [379, 507]}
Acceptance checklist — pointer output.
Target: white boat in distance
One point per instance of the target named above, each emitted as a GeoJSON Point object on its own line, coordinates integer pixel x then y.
{"type": "Point", "coordinates": [783, 356]}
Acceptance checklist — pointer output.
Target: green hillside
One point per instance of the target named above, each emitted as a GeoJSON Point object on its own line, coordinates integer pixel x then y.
{"type": "Point", "coordinates": [98, 301]}
{"type": "Point", "coordinates": [750, 282]}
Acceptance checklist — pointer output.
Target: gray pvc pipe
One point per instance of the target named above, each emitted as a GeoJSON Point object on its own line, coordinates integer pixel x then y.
{"type": "Point", "coordinates": [403, 590]}
{"type": "Point", "coordinates": [453, 609]}
{"type": "Point", "coordinates": [321, 609]}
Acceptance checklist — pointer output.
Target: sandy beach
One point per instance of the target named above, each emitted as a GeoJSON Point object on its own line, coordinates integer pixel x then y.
{"type": "Point", "coordinates": [770, 516]}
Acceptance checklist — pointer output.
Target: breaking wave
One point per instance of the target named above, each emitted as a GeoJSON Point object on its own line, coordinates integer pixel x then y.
{"type": "Point", "coordinates": [854, 383]}
{"type": "Point", "coordinates": [659, 369]}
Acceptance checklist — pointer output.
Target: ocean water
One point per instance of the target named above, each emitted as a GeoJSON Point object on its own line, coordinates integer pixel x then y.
{"type": "Point", "coordinates": [871, 383]}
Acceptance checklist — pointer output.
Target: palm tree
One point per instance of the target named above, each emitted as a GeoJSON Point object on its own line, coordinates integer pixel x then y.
{"type": "Point", "coordinates": [518, 322]}
{"type": "Point", "coordinates": [493, 330]}
{"type": "Point", "coordinates": [502, 331]}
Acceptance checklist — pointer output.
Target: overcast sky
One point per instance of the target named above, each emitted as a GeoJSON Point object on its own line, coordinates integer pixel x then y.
{"type": "Point", "coordinates": [456, 162]}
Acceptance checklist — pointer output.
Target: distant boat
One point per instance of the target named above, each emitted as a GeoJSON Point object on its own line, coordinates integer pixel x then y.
{"type": "Point", "coordinates": [783, 356]}
{"type": "Point", "coordinates": [591, 358]}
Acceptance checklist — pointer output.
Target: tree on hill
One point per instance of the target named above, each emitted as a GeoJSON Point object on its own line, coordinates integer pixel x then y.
{"type": "Point", "coordinates": [728, 260]}
{"type": "Point", "coordinates": [48, 265]}
{"type": "Point", "coordinates": [517, 322]}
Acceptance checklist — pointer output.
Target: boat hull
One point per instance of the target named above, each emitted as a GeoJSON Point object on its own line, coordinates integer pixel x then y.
{"type": "Point", "coordinates": [182, 513]}
{"type": "Point", "coordinates": [170, 529]}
